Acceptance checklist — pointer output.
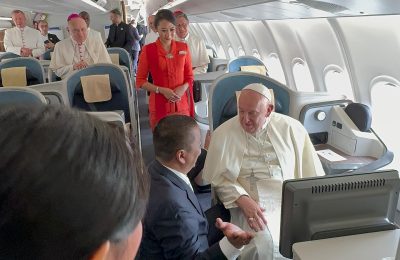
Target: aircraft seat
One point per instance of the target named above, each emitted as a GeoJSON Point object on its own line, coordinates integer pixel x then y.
{"type": "Point", "coordinates": [342, 135]}
{"type": "Point", "coordinates": [54, 92]}
{"type": "Point", "coordinates": [47, 54]}
{"type": "Point", "coordinates": [34, 70]}
{"type": "Point", "coordinates": [125, 58]}
{"type": "Point", "coordinates": [236, 63]}
{"type": "Point", "coordinates": [18, 95]}
{"type": "Point", "coordinates": [222, 97]}
{"type": "Point", "coordinates": [119, 89]}
{"type": "Point", "coordinates": [8, 55]}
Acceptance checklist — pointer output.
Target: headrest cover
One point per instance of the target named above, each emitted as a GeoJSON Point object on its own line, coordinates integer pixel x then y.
{"type": "Point", "coordinates": [260, 88]}
{"type": "Point", "coordinates": [14, 77]}
{"type": "Point", "coordinates": [72, 16]}
{"type": "Point", "coordinates": [96, 88]}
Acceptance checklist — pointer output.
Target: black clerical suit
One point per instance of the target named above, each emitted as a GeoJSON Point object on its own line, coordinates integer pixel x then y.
{"type": "Point", "coordinates": [121, 36]}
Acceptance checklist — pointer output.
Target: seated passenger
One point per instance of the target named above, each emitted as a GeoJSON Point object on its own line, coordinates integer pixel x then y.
{"type": "Point", "coordinates": [249, 157]}
{"type": "Point", "coordinates": [175, 226]}
{"type": "Point", "coordinates": [70, 187]}
{"type": "Point", "coordinates": [49, 40]}
{"type": "Point", "coordinates": [78, 51]}
{"type": "Point", "coordinates": [196, 45]}
{"type": "Point", "coordinates": [23, 40]}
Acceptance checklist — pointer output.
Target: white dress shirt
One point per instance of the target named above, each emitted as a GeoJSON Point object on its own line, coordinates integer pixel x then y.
{"type": "Point", "coordinates": [16, 38]}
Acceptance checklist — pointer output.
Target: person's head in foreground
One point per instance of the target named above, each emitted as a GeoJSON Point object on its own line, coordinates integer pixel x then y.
{"type": "Point", "coordinates": [254, 106]}
{"type": "Point", "coordinates": [70, 187]}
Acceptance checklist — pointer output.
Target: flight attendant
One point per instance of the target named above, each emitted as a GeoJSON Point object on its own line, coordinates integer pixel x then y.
{"type": "Point", "coordinates": [170, 66]}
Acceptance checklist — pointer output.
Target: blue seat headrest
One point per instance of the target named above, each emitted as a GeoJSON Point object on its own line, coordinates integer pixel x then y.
{"type": "Point", "coordinates": [360, 114]}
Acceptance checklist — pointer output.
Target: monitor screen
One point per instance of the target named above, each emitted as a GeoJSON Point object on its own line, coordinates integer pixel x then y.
{"type": "Point", "coordinates": [337, 205]}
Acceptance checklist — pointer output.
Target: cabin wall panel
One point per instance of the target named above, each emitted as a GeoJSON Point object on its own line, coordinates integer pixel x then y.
{"type": "Point", "coordinates": [372, 46]}
{"type": "Point", "coordinates": [210, 32]}
{"type": "Point", "coordinates": [228, 37]}
{"type": "Point", "coordinates": [320, 46]}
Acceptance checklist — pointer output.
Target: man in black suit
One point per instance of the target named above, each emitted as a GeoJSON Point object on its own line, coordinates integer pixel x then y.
{"type": "Point", "coordinates": [175, 226]}
{"type": "Point", "coordinates": [120, 34]}
{"type": "Point", "coordinates": [49, 40]}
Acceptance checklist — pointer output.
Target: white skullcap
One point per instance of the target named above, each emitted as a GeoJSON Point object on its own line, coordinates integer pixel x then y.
{"type": "Point", "coordinates": [260, 88]}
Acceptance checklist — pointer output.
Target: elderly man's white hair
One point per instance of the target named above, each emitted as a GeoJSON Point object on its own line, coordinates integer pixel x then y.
{"type": "Point", "coordinates": [260, 88]}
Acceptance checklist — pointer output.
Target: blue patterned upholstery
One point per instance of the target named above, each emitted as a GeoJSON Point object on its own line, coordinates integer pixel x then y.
{"type": "Point", "coordinates": [34, 70]}
{"type": "Point", "coordinates": [222, 100]}
{"type": "Point", "coordinates": [19, 95]}
{"type": "Point", "coordinates": [236, 63]}
{"type": "Point", "coordinates": [8, 55]}
{"type": "Point", "coordinates": [125, 58]}
{"type": "Point", "coordinates": [119, 89]}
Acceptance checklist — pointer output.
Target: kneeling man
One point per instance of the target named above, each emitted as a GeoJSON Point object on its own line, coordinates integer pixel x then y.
{"type": "Point", "coordinates": [175, 226]}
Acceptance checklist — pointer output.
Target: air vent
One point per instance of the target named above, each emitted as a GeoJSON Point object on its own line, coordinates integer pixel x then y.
{"type": "Point", "coordinates": [347, 186]}
{"type": "Point", "coordinates": [320, 5]}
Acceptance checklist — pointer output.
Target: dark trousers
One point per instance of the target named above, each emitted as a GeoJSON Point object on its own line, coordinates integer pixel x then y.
{"type": "Point", "coordinates": [135, 57]}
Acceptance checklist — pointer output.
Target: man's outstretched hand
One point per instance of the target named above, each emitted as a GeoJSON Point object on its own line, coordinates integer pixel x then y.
{"type": "Point", "coordinates": [235, 235]}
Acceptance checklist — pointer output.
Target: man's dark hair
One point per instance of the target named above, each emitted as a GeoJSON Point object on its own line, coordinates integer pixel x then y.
{"type": "Point", "coordinates": [164, 14]}
{"type": "Point", "coordinates": [85, 16]}
{"type": "Point", "coordinates": [68, 183]}
{"type": "Point", "coordinates": [116, 11]}
{"type": "Point", "coordinates": [172, 134]}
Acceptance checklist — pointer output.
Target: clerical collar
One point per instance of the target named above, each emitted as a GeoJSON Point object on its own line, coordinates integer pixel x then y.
{"type": "Point", "coordinates": [181, 176]}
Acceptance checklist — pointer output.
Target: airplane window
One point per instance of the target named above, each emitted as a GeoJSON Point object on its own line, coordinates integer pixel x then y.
{"type": "Point", "coordinates": [241, 52]}
{"type": "Point", "coordinates": [274, 67]}
{"type": "Point", "coordinates": [221, 52]}
{"type": "Point", "coordinates": [338, 82]}
{"type": "Point", "coordinates": [231, 53]}
{"type": "Point", "coordinates": [302, 76]}
{"type": "Point", "coordinates": [256, 54]}
{"type": "Point", "coordinates": [385, 98]}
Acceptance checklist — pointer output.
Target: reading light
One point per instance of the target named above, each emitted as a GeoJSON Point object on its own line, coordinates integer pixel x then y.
{"type": "Point", "coordinates": [90, 2]}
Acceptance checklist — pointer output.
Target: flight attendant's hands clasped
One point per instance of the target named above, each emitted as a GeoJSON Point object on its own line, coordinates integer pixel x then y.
{"type": "Point", "coordinates": [174, 95]}
{"type": "Point", "coordinates": [253, 212]}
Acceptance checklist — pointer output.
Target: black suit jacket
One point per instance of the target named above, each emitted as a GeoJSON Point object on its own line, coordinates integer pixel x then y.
{"type": "Point", "coordinates": [175, 226]}
{"type": "Point", "coordinates": [53, 38]}
{"type": "Point", "coordinates": [120, 36]}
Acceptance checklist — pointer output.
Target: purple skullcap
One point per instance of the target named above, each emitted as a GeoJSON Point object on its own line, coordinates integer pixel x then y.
{"type": "Point", "coordinates": [72, 16]}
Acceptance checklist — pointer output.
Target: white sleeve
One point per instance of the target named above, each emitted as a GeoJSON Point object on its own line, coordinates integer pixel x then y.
{"type": "Point", "coordinates": [229, 250]}
{"type": "Point", "coordinates": [8, 44]}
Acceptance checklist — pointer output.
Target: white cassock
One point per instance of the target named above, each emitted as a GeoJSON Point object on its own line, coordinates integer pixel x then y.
{"type": "Point", "coordinates": [93, 33]}
{"type": "Point", "coordinates": [67, 53]}
{"type": "Point", "coordinates": [150, 37]}
{"type": "Point", "coordinates": [239, 163]}
{"type": "Point", "coordinates": [15, 39]}
{"type": "Point", "coordinates": [198, 53]}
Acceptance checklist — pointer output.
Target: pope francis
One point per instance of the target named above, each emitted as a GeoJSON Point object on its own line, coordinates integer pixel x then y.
{"type": "Point", "coordinates": [249, 157]}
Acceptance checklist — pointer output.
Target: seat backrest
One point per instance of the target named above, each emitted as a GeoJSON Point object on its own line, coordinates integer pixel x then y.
{"type": "Point", "coordinates": [47, 54]}
{"type": "Point", "coordinates": [18, 95]}
{"type": "Point", "coordinates": [360, 114]}
{"type": "Point", "coordinates": [8, 55]}
{"type": "Point", "coordinates": [119, 89]}
{"type": "Point", "coordinates": [236, 63]}
{"type": "Point", "coordinates": [125, 58]}
{"type": "Point", "coordinates": [34, 70]}
{"type": "Point", "coordinates": [222, 99]}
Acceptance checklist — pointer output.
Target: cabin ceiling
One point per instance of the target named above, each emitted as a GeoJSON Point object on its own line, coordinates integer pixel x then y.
{"type": "Point", "coordinates": [218, 10]}
{"type": "Point", "coordinates": [233, 10]}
